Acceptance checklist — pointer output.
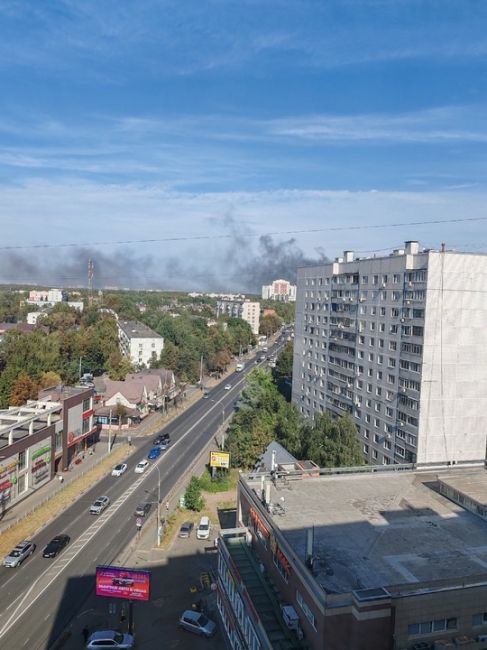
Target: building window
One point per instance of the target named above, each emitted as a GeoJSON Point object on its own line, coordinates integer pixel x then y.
{"type": "Point", "coordinates": [86, 404]}
{"type": "Point", "coordinates": [307, 612]}
{"type": "Point", "coordinates": [22, 460]}
{"type": "Point", "coordinates": [427, 627]}
{"type": "Point", "coordinates": [479, 619]}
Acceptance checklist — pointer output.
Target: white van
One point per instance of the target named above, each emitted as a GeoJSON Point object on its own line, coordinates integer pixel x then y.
{"type": "Point", "coordinates": [203, 530]}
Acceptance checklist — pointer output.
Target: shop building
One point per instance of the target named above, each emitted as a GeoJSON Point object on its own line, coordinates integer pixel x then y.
{"type": "Point", "coordinates": [357, 559]}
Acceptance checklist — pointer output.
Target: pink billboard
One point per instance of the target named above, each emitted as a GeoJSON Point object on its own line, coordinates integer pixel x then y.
{"type": "Point", "coordinates": [119, 582]}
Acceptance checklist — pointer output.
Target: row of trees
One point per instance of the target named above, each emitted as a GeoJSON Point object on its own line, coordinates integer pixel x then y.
{"type": "Point", "coordinates": [264, 415]}
{"type": "Point", "coordinates": [67, 336]}
{"type": "Point", "coordinates": [52, 354]}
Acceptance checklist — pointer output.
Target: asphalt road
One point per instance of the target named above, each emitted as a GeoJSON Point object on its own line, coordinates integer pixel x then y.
{"type": "Point", "coordinates": [39, 599]}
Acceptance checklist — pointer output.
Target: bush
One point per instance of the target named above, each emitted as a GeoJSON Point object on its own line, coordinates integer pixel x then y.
{"type": "Point", "coordinates": [192, 497]}
{"type": "Point", "coordinates": [223, 481]}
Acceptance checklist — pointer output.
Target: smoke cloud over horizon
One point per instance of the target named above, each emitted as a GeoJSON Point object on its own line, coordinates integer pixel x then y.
{"type": "Point", "coordinates": [238, 262]}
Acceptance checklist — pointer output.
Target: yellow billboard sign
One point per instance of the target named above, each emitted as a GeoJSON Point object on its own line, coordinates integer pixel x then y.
{"type": "Point", "coordinates": [219, 459]}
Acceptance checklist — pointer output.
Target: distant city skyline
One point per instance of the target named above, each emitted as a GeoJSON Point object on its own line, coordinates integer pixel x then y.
{"type": "Point", "coordinates": [238, 122]}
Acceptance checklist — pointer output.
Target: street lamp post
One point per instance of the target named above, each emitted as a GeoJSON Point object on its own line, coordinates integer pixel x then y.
{"type": "Point", "coordinates": [223, 428]}
{"type": "Point", "coordinates": [158, 529]}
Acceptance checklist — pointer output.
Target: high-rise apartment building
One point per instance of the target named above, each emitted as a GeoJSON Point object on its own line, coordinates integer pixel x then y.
{"type": "Point", "coordinates": [279, 290]}
{"type": "Point", "coordinates": [244, 309]}
{"type": "Point", "coordinates": [400, 343]}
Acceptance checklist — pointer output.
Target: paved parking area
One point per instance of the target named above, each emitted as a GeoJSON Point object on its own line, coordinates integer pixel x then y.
{"type": "Point", "coordinates": [178, 578]}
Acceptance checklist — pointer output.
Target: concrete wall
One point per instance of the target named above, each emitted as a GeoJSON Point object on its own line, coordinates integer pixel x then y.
{"type": "Point", "coordinates": [453, 415]}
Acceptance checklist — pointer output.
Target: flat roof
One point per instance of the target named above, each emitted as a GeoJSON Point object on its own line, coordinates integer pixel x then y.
{"type": "Point", "coordinates": [468, 484]}
{"type": "Point", "coordinates": [134, 329]}
{"type": "Point", "coordinates": [374, 530]}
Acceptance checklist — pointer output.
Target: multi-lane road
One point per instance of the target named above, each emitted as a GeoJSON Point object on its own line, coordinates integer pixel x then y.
{"type": "Point", "coordinates": [39, 599]}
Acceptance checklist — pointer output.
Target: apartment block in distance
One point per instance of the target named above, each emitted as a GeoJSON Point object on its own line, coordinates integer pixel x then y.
{"type": "Point", "coordinates": [398, 342]}
{"type": "Point", "coordinates": [244, 309]}
{"type": "Point", "coordinates": [279, 290]}
{"type": "Point", "coordinates": [371, 558]}
{"type": "Point", "coordinates": [139, 342]}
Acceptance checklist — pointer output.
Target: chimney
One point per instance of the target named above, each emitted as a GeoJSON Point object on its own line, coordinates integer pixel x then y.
{"type": "Point", "coordinates": [412, 247]}
{"type": "Point", "coordinates": [268, 494]}
{"type": "Point", "coordinates": [348, 256]}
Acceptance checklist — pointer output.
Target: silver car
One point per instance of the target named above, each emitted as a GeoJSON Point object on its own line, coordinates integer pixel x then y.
{"type": "Point", "coordinates": [18, 554]}
{"type": "Point", "coordinates": [197, 622]}
{"type": "Point", "coordinates": [99, 506]}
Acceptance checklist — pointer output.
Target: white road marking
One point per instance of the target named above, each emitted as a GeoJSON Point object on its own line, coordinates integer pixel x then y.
{"type": "Point", "coordinates": [59, 565]}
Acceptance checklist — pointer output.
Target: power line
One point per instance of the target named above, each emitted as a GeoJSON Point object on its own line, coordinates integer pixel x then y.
{"type": "Point", "coordinates": [244, 236]}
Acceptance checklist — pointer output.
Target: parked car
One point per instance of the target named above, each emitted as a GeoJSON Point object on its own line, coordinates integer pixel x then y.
{"type": "Point", "coordinates": [228, 386]}
{"type": "Point", "coordinates": [19, 553]}
{"type": "Point", "coordinates": [186, 528]}
{"type": "Point", "coordinates": [206, 394]}
{"type": "Point", "coordinates": [110, 639]}
{"type": "Point", "coordinates": [197, 622]}
{"type": "Point", "coordinates": [118, 470]}
{"type": "Point", "coordinates": [141, 467]}
{"type": "Point", "coordinates": [142, 509]}
{"type": "Point", "coordinates": [203, 530]}
{"type": "Point", "coordinates": [154, 453]}
{"type": "Point", "coordinates": [56, 545]}
{"type": "Point", "coordinates": [99, 505]}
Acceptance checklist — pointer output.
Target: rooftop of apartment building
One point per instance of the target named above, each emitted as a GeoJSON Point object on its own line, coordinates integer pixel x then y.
{"type": "Point", "coordinates": [410, 248]}
{"type": "Point", "coordinates": [380, 529]}
{"type": "Point", "coordinates": [136, 330]}
{"type": "Point", "coordinates": [60, 393]}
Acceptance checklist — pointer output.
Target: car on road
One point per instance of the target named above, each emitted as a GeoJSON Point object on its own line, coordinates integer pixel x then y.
{"type": "Point", "coordinates": [110, 639]}
{"type": "Point", "coordinates": [118, 470]}
{"type": "Point", "coordinates": [56, 545]}
{"type": "Point", "coordinates": [206, 394]}
{"type": "Point", "coordinates": [197, 622]}
{"type": "Point", "coordinates": [162, 439]}
{"type": "Point", "coordinates": [228, 386]}
{"type": "Point", "coordinates": [203, 530]}
{"type": "Point", "coordinates": [141, 467]}
{"type": "Point", "coordinates": [185, 530]}
{"type": "Point", "coordinates": [99, 505]}
{"type": "Point", "coordinates": [154, 453]}
{"type": "Point", "coordinates": [142, 509]}
{"type": "Point", "coordinates": [19, 553]}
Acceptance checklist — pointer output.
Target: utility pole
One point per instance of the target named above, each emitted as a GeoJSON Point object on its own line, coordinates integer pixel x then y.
{"type": "Point", "coordinates": [110, 432]}
{"type": "Point", "coordinates": [201, 372]}
{"type": "Point", "coordinates": [91, 272]}
{"type": "Point", "coordinates": [80, 368]}
{"type": "Point", "coordinates": [223, 428]}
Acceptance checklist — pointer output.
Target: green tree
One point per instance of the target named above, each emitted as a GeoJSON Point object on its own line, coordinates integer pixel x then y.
{"type": "Point", "coordinates": [192, 497]}
{"type": "Point", "coordinates": [284, 363]}
{"type": "Point", "coordinates": [333, 442]}
{"type": "Point", "coordinates": [270, 324]}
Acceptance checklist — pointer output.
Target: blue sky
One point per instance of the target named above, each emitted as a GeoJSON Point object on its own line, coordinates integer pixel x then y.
{"type": "Point", "coordinates": [230, 119]}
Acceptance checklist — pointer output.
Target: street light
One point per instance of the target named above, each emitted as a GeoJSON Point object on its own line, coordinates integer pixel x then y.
{"type": "Point", "coordinates": [158, 529]}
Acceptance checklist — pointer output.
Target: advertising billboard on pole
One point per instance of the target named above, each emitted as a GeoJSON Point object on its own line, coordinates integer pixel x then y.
{"type": "Point", "coordinates": [219, 459]}
{"type": "Point", "coordinates": [120, 582]}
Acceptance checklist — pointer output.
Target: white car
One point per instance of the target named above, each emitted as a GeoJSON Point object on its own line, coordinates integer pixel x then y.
{"type": "Point", "coordinates": [228, 386]}
{"type": "Point", "coordinates": [203, 530]}
{"type": "Point", "coordinates": [118, 470]}
{"type": "Point", "coordinates": [141, 467]}
{"type": "Point", "coordinates": [110, 639]}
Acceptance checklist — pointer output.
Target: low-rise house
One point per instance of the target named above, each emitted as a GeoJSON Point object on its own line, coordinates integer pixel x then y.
{"type": "Point", "coordinates": [139, 394]}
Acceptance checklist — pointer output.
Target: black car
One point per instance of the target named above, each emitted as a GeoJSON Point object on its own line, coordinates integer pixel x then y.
{"type": "Point", "coordinates": [142, 509]}
{"type": "Point", "coordinates": [162, 440]}
{"type": "Point", "coordinates": [56, 545]}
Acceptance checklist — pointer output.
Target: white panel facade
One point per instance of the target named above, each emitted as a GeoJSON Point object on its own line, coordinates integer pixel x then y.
{"type": "Point", "coordinates": [400, 344]}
